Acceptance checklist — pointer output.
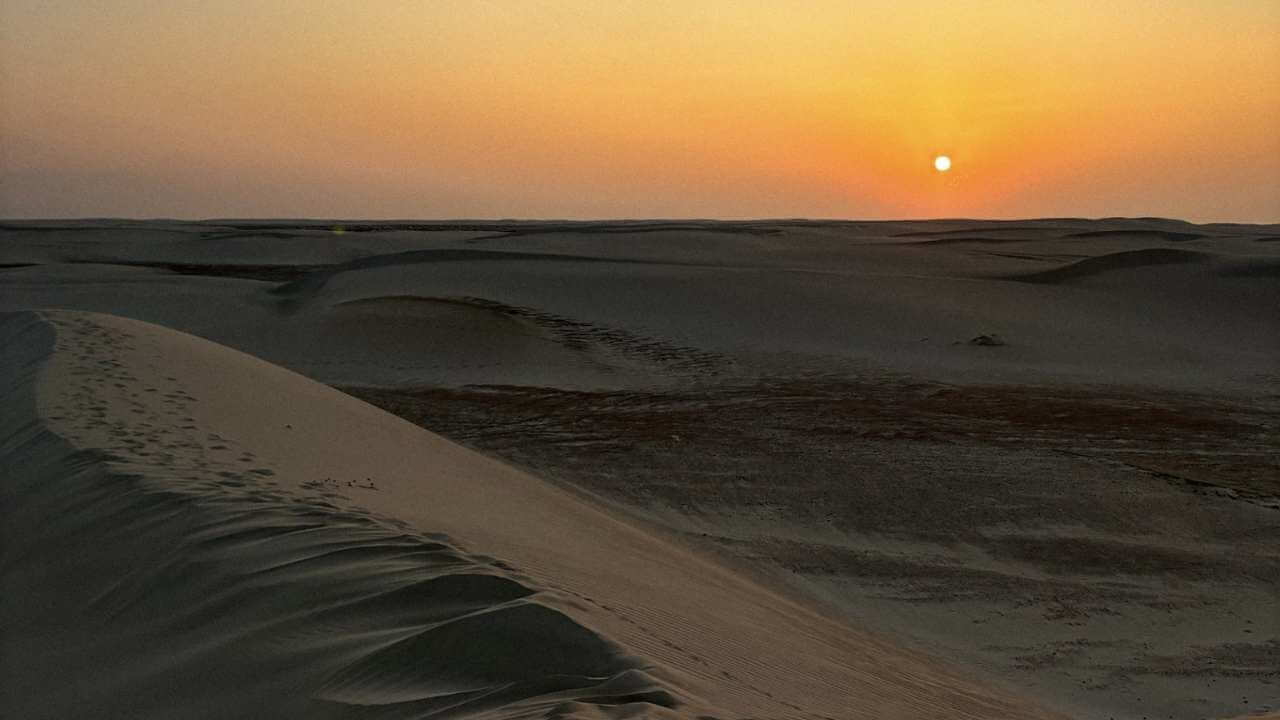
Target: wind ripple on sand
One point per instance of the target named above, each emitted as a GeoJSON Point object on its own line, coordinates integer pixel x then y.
{"type": "Point", "coordinates": [575, 336]}
{"type": "Point", "coordinates": [191, 532]}
{"type": "Point", "coordinates": [198, 600]}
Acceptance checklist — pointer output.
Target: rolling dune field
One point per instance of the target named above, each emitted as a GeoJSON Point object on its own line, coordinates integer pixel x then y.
{"type": "Point", "coordinates": [762, 469]}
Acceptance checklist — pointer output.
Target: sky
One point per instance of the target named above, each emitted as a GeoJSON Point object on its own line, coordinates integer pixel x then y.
{"type": "Point", "coordinates": [603, 109]}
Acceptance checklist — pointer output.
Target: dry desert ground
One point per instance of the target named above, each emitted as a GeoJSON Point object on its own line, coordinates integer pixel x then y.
{"type": "Point", "coordinates": [672, 469]}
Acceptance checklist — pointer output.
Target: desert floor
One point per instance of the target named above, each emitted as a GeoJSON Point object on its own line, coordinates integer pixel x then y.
{"type": "Point", "coordinates": [960, 468]}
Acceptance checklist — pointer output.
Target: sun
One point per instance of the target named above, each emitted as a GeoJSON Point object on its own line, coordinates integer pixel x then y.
{"type": "Point", "coordinates": [942, 163]}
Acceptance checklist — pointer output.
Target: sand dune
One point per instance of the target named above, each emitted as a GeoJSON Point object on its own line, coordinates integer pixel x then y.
{"type": "Point", "coordinates": [1257, 267]}
{"type": "Point", "coordinates": [208, 244]}
{"type": "Point", "coordinates": [826, 297]}
{"type": "Point", "coordinates": [1126, 260]}
{"type": "Point", "coordinates": [1008, 228]}
{"type": "Point", "coordinates": [964, 239]}
{"type": "Point", "coordinates": [1086, 513]}
{"type": "Point", "coordinates": [191, 532]}
{"type": "Point", "coordinates": [315, 281]}
{"type": "Point", "coordinates": [1168, 235]}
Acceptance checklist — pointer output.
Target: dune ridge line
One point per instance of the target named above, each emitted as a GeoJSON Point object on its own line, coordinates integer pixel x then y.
{"type": "Point", "coordinates": [205, 534]}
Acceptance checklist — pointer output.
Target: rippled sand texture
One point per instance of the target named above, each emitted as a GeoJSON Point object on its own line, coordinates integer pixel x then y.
{"type": "Point", "coordinates": [191, 532]}
{"type": "Point", "coordinates": [1043, 451]}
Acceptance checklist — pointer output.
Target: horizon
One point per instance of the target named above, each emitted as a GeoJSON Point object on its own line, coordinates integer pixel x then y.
{"type": "Point", "coordinates": [569, 110]}
{"type": "Point", "coordinates": [599, 220]}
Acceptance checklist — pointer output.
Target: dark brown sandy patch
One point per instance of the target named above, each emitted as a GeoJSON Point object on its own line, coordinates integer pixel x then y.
{"type": "Point", "coordinates": [966, 514]}
{"type": "Point", "coordinates": [1195, 441]}
{"type": "Point", "coordinates": [1096, 556]}
{"type": "Point", "coordinates": [1260, 660]}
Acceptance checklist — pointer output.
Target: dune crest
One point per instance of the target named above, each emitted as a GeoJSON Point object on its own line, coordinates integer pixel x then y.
{"type": "Point", "coordinates": [1125, 260]}
{"type": "Point", "coordinates": [192, 532]}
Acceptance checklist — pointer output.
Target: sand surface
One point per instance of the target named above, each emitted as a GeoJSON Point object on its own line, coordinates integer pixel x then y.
{"type": "Point", "coordinates": [772, 474]}
{"type": "Point", "coordinates": [192, 532]}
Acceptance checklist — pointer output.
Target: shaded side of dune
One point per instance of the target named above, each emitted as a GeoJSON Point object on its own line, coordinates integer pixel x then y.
{"type": "Point", "coordinates": [1255, 268]}
{"type": "Point", "coordinates": [533, 227]}
{"type": "Point", "coordinates": [1126, 260]}
{"type": "Point", "coordinates": [131, 594]}
{"type": "Point", "coordinates": [265, 273]}
{"type": "Point", "coordinates": [316, 280]}
{"type": "Point", "coordinates": [1146, 233]}
{"type": "Point", "coordinates": [966, 240]}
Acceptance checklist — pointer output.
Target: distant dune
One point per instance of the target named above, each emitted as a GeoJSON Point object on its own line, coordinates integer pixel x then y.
{"type": "Point", "coordinates": [822, 294]}
{"type": "Point", "coordinates": [1168, 235]}
{"type": "Point", "coordinates": [1126, 260]}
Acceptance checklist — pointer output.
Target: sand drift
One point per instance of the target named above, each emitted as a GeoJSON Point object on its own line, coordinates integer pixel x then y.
{"type": "Point", "coordinates": [718, 469]}
{"type": "Point", "coordinates": [191, 532]}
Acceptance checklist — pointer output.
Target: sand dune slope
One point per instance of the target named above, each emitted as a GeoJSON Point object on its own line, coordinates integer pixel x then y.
{"type": "Point", "coordinates": [191, 532]}
{"type": "Point", "coordinates": [643, 305]}
{"type": "Point", "coordinates": [1116, 261]}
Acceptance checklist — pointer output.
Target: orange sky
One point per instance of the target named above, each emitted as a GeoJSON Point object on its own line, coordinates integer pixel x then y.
{"type": "Point", "coordinates": [520, 108]}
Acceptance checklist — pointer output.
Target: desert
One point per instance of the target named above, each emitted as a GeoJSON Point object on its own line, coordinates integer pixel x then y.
{"type": "Point", "coordinates": [644, 468]}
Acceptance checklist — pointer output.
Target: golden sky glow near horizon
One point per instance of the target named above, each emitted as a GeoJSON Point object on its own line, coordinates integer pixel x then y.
{"type": "Point", "coordinates": [491, 108]}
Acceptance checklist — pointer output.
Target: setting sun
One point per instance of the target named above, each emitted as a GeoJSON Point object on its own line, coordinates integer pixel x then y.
{"type": "Point", "coordinates": [310, 310]}
{"type": "Point", "coordinates": [573, 108]}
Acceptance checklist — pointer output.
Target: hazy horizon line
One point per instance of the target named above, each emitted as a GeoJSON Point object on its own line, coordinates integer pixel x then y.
{"type": "Point", "coordinates": [637, 219]}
